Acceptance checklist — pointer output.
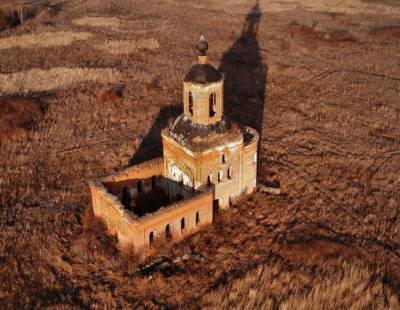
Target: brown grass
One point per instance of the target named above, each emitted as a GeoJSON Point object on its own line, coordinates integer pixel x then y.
{"type": "Point", "coordinates": [45, 39]}
{"type": "Point", "coordinates": [330, 136]}
{"type": "Point", "coordinates": [348, 287]}
{"type": "Point", "coordinates": [36, 80]}
{"type": "Point", "coordinates": [18, 116]}
{"type": "Point", "coordinates": [127, 47]}
{"type": "Point", "coordinates": [108, 22]}
{"type": "Point", "coordinates": [13, 13]}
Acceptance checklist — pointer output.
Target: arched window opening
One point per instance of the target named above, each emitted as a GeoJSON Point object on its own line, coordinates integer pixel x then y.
{"type": "Point", "coordinates": [139, 186]}
{"type": "Point", "coordinates": [220, 176]}
{"type": "Point", "coordinates": [183, 224]}
{"type": "Point", "coordinates": [224, 158]}
{"type": "Point", "coordinates": [230, 173]}
{"type": "Point", "coordinates": [212, 104]}
{"type": "Point", "coordinates": [153, 181]}
{"type": "Point", "coordinates": [197, 218]}
{"type": "Point", "coordinates": [190, 103]}
{"type": "Point", "coordinates": [151, 238]}
{"type": "Point", "coordinates": [168, 232]}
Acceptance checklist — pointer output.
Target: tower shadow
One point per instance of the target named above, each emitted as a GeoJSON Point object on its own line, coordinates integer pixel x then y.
{"type": "Point", "coordinates": [244, 89]}
{"type": "Point", "coordinates": [151, 147]}
{"type": "Point", "coordinates": [246, 75]}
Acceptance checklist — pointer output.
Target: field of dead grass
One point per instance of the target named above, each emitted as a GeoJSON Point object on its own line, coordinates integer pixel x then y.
{"type": "Point", "coordinates": [45, 39]}
{"type": "Point", "coordinates": [108, 22]}
{"type": "Point", "coordinates": [321, 86]}
{"type": "Point", "coordinates": [347, 287]}
{"type": "Point", "coordinates": [127, 47]}
{"type": "Point", "coordinates": [19, 116]}
{"type": "Point", "coordinates": [36, 80]}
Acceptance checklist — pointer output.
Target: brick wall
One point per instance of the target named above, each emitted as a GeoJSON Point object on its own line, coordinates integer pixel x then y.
{"type": "Point", "coordinates": [250, 159]}
{"type": "Point", "coordinates": [131, 176]}
{"type": "Point", "coordinates": [157, 223]}
{"type": "Point", "coordinates": [132, 230]}
{"type": "Point", "coordinates": [200, 95]}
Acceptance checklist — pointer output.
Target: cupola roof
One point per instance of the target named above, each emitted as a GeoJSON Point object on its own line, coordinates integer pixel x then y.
{"type": "Point", "coordinates": [202, 73]}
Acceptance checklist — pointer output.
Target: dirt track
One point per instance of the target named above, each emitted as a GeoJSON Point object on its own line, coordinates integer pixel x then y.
{"type": "Point", "coordinates": [322, 84]}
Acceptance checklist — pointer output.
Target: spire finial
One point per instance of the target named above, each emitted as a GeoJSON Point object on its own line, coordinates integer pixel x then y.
{"type": "Point", "coordinates": [202, 46]}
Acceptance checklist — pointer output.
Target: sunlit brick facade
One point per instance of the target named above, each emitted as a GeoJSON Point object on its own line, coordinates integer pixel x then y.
{"type": "Point", "coordinates": [207, 162]}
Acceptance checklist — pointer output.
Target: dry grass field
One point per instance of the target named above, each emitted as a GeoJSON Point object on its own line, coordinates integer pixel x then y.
{"type": "Point", "coordinates": [86, 87]}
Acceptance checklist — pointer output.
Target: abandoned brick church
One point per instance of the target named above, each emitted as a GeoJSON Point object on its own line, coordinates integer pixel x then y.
{"type": "Point", "coordinates": [207, 162]}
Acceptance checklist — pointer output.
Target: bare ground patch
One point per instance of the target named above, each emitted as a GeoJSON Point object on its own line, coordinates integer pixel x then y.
{"type": "Point", "coordinates": [350, 7]}
{"type": "Point", "coordinates": [45, 39]}
{"type": "Point", "coordinates": [13, 14]}
{"type": "Point", "coordinates": [37, 80]}
{"type": "Point", "coordinates": [393, 3]}
{"type": "Point", "coordinates": [128, 46]}
{"type": "Point", "coordinates": [18, 116]}
{"type": "Point", "coordinates": [313, 35]}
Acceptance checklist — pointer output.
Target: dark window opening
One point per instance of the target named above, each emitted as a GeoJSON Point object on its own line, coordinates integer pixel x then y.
{"type": "Point", "coordinates": [168, 233]}
{"type": "Point", "coordinates": [212, 102]}
{"type": "Point", "coordinates": [230, 172]}
{"type": "Point", "coordinates": [209, 180]}
{"type": "Point", "coordinates": [139, 187]}
{"type": "Point", "coordinates": [224, 158]}
{"type": "Point", "coordinates": [220, 176]}
{"type": "Point", "coordinates": [190, 103]}
{"type": "Point", "coordinates": [197, 218]}
{"type": "Point", "coordinates": [126, 197]}
{"type": "Point", "coordinates": [182, 224]}
{"type": "Point", "coordinates": [153, 182]}
{"type": "Point", "coordinates": [151, 238]}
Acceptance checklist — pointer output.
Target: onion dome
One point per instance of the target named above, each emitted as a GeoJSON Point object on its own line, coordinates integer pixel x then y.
{"type": "Point", "coordinates": [203, 73]}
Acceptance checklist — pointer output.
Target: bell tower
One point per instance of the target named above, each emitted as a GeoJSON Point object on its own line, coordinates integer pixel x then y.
{"type": "Point", "coordinates": [203, 91]}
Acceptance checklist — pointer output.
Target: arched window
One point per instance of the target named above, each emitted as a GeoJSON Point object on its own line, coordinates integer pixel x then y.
{"type": "Point", "coordinates": [139, 187]}
{"type": "Point", "coordinates": [224, 158]}
{"type": "Point", "coordinates": [197, 218]}
{"type": "Point", "coordinates": [212, 104]}
{"type": "Point", "coordinates": [190, 103]}
{"type": "Point", "coordinates": [151, 238]}
{"type": "Point", "coordinates": [168, 232]}
{"type": "Point", "coordinates": [209, 179]}
{"type": "Point", "coordinates": [220, 176]}
{"type": "Point", "coordinates": [230, 173]}
{"type": "Point", "coordinates": [183, 224]}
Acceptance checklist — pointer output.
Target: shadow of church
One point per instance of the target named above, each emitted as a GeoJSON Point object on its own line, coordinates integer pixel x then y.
{"type": "Point", "coordinates": [244, 89]}
{"type": "Point", "coordinates": [245, 75]}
